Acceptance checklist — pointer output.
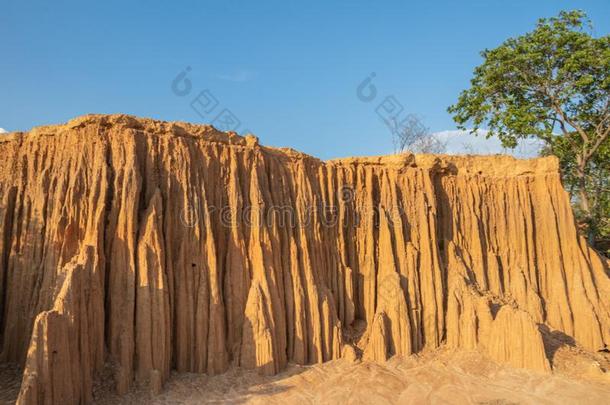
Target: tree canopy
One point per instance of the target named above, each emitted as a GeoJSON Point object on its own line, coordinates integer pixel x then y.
{"type": "Point", "coordinates": [552, 83]}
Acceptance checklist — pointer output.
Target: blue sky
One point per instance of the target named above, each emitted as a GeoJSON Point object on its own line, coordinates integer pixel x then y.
{"type": "Point", "coordinates": [288, 72]}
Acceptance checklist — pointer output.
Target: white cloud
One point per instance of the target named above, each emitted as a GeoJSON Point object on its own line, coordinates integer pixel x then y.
{"type": "Point", "coordinates": [3, 131]}
{"type": "Point", "coordinates": [462, 142]}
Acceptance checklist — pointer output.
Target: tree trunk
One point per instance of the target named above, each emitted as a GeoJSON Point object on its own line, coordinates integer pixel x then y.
{"type": "Point", "coordinates": [585, 205]}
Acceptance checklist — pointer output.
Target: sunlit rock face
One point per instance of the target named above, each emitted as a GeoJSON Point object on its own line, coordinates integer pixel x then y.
{"type": "Point", "coordinates": [153, 246]}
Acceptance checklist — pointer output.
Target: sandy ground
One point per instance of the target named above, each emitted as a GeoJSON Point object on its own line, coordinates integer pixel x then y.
{"type": "Point", "coordinates": [437, 378]}
{"type": "Point", "coordinates": [464, 378]}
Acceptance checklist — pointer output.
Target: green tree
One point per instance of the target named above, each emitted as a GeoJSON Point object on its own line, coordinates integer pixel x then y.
{"type": "Point", "coordinates": [552, 83]}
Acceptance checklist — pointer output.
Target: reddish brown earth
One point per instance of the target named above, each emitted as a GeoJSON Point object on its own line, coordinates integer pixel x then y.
{"type": "Point", "coordinates": [134, 249]}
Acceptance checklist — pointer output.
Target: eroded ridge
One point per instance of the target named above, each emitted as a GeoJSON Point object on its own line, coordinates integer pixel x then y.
{"type": "Point", "coordinates": [154, 246]}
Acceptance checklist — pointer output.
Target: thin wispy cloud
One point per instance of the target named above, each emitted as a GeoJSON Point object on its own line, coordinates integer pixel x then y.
{"type": "Point", "coordinates": [3, 131]}
{"type": "Point", "coordinates": [239, 76]}
{"type": "Point", "coordinates": [463, 142]}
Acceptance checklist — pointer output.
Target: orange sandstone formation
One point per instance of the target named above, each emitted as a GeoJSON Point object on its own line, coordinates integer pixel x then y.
{"type": "Point", "coordinates": [152, 246]}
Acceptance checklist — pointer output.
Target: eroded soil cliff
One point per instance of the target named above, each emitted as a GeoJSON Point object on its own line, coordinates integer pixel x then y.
{"type": "Point", "coordinates": [147, 246]}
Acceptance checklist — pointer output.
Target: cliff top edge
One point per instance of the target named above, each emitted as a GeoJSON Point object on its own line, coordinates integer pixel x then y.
{"type": "Point", "coordinates": [489, 165]}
